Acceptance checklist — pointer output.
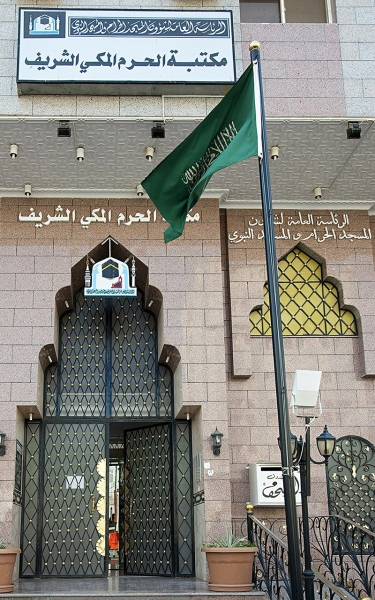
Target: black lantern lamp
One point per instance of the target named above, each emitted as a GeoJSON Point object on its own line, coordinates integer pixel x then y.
{"type": "Point", "coordinates": [2, 443]}
{"type": "Point", "coordinates": [293, 445]}
{"type": "Point", "coordinates": [216, 441]}
{"type": "Point", "coordinates": [326, 443]}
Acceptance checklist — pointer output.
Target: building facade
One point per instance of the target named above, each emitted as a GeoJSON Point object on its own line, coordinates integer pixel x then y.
{"type": "Point", "coordinates": [109, 404]}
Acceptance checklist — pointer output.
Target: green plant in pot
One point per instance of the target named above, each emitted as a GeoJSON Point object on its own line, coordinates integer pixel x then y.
{"type": "Point", "coordinates": [230, 562]}
{"type": "Point", "coordinates": [7, 560]}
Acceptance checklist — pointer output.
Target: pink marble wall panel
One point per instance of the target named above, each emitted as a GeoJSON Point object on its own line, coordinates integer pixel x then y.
{"type": "Point", "coordinates": [348, 380]}
{"type": "Point", "coordinates": [301, 68]}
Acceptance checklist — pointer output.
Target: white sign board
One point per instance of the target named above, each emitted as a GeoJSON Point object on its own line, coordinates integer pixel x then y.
{"type": "Point", "coordinates": [267, 487]}
{"type": "Point", "coordinates": [134, 47]}
{"type": "Point", "coordinates": [74, 482]}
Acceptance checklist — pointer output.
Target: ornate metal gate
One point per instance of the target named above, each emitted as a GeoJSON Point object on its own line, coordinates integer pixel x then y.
{"type": "Point", "coordinates": [158, 501]}
{"type": "Point", "coordinates": [72, 486]}
{"type": "Point", "coordinates": [351, 480]}
{"type": "Point", "coordinates": [107, 371]}
{"type": "Point", "coordinates": [149, 526]}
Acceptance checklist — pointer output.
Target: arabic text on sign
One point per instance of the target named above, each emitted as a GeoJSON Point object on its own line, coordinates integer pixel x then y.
{"type": "Point", "coordinates": [323, 228]}
{"type": "Point", "coordinates": [106, 59]}
{"type": "Point", "coordinates": [98, 215]}
{"type": "Point", "coordinates": [81, 26]}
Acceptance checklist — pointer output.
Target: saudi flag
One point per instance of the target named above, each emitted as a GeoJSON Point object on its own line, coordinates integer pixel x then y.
{"type": "Point", "coordinates": [229, 134]}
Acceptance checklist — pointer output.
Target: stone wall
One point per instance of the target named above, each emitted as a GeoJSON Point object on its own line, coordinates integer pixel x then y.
{"type": "Point", "coordinates": [347, 389]}
{"type": "Point", "coordinates": [301, 68]}
{"type": "Point", "coordinates": [356, 19]}
{"type": "Point", "coordinates": [36, 264]}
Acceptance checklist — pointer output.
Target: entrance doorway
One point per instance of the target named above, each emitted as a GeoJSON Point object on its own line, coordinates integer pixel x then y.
{"type": "Point", "coordinates": [107, 483]}
{"type": "Point", "coordinates": [150, 499]}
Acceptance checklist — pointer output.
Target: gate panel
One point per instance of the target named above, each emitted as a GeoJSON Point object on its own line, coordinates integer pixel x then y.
{"type": "Point", "coordinates": [149, 527]}
{"type": "Point", "coordinates": [184, 500]}
{"type": "Point", "coordinates": [351, 480]}
{"type": "Point", "coordinates": [73, 531]}
{"type": "Point", "coordinates": [30, 499]}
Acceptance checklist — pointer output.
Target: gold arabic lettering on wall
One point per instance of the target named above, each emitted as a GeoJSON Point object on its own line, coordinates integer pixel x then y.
{"type": "Point", "coordinates": [333, 226]}
{"type": "Point", "coordinates": [98, 215]}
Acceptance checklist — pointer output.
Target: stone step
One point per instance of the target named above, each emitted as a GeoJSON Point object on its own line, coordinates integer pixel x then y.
{"type": "Point", "coordinates": [121, 588]}
{"type": "Point", "coordinates": [137, 596]}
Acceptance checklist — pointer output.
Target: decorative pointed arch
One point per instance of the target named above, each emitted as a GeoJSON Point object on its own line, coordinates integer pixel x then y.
{"type": "Point", "coordinates": [108, 362]}
{"type": "Point", "coordinates": [309, 305]}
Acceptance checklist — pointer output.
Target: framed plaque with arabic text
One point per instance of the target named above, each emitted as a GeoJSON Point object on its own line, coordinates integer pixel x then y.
{"type": "Point", "coordinates": [125, 52]}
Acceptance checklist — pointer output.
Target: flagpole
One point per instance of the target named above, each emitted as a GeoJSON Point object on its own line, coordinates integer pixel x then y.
{"type": "Point", "coordinates": [294, 557]}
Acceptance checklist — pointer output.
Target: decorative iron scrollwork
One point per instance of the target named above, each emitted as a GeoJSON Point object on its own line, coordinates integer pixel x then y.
{"type": "Point", "coordinates": [351, 480]}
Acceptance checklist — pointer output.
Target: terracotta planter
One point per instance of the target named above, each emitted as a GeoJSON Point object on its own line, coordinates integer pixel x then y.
{"type": "Point", "coordinates": [230, 569]}
{"type": "Point", "coordinates": [7, 560]}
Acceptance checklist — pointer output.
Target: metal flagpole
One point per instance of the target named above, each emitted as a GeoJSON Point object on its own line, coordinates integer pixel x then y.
{"type": "Point", "coordinates": [294, 562]}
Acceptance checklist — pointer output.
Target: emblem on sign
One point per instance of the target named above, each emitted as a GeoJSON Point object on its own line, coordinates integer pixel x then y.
{"type": "Point", "coordinates": [110, 277]}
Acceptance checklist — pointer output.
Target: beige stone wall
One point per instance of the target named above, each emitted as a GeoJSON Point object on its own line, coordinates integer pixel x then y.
{"type": "Point", "coordinates": [209, 285]}
{"type": "Point", "coordinates": [36, 264]}
{"type": "Point", "coordinates": [301, 68]}
{"type": "Point", "coordinates": [347, 387]}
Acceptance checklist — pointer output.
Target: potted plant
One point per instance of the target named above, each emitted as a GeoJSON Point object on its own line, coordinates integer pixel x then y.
{"type": "Point", "coordinates": [230, 563]}
{"type": "Point", "coordinates": [7, 559]}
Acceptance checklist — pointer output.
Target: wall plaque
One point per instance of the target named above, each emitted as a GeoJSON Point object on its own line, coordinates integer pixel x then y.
{"type": "Point", "coordinates": [124, 51]}
{"type": "Point", "coordinates": [267, 487]}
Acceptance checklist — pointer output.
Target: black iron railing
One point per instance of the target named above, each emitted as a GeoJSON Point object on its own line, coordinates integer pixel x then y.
{"type": "Point", "coordinates": [271, 572]}
{"type": "Point", "coordinates": [342, 552]}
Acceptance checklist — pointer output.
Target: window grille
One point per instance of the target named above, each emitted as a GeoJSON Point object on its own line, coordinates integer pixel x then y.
{"type": "Point", "coordinates": [309, 305]}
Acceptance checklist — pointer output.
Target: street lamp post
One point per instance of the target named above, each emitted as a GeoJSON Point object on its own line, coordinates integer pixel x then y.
{"type": "Point", "coordinates": [302, 457]}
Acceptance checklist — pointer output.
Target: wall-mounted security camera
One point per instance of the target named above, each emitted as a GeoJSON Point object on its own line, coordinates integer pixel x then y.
{"type": "Point", "coordinates": [140, 190]}
{"type": "Point", "coordinates": [275, 152]}
{"type": "Point", "coordinates": [13, 150]}
{"type": "Point", "coordinates": [27, 189]}
{"type": "Point", "coordinates": [80, 154]}
{"type": "Point", "coordinates": [318, 193]}
{"type": "Point", "coordinates": [158, 130]}
{"type": "Point", "coordinates": [150, 151]}
{"type": "Point", "coordinates": [64, 129]}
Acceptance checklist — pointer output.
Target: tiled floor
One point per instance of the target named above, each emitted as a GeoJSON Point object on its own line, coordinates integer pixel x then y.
{"type": "Point", "coordinates": [127, 588]}
{"type": "Point", "coordinates": [110, 585]}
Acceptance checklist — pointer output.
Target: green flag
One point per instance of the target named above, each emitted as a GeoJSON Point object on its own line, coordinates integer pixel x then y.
{"type": "Point", "coordinates": [229, 134]}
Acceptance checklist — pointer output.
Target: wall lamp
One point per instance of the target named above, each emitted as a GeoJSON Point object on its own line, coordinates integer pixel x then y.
{"type": "Point", "coordinates": [13, 151]}
{"type": "Point", "coordinates": [317, 193]}
{"type": "Point", "coordinates": [354, 131]}
{"type": "Point", "coordinates": [80, 154]}
{"type": "Point", "coordinates": [275, 152]}
{"type": "Point", "coordinates": [27, 189]}
{"type": "Point", "coordinates": [2, 444]}
{"type": "Point", "coordinates": [216, 441]}
{"type": "Point", "coordinates": [149, 153]}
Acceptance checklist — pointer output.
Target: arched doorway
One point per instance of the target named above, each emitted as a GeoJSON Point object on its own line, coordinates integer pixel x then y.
{"type": "Point", "coordinates": [108, 469]}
